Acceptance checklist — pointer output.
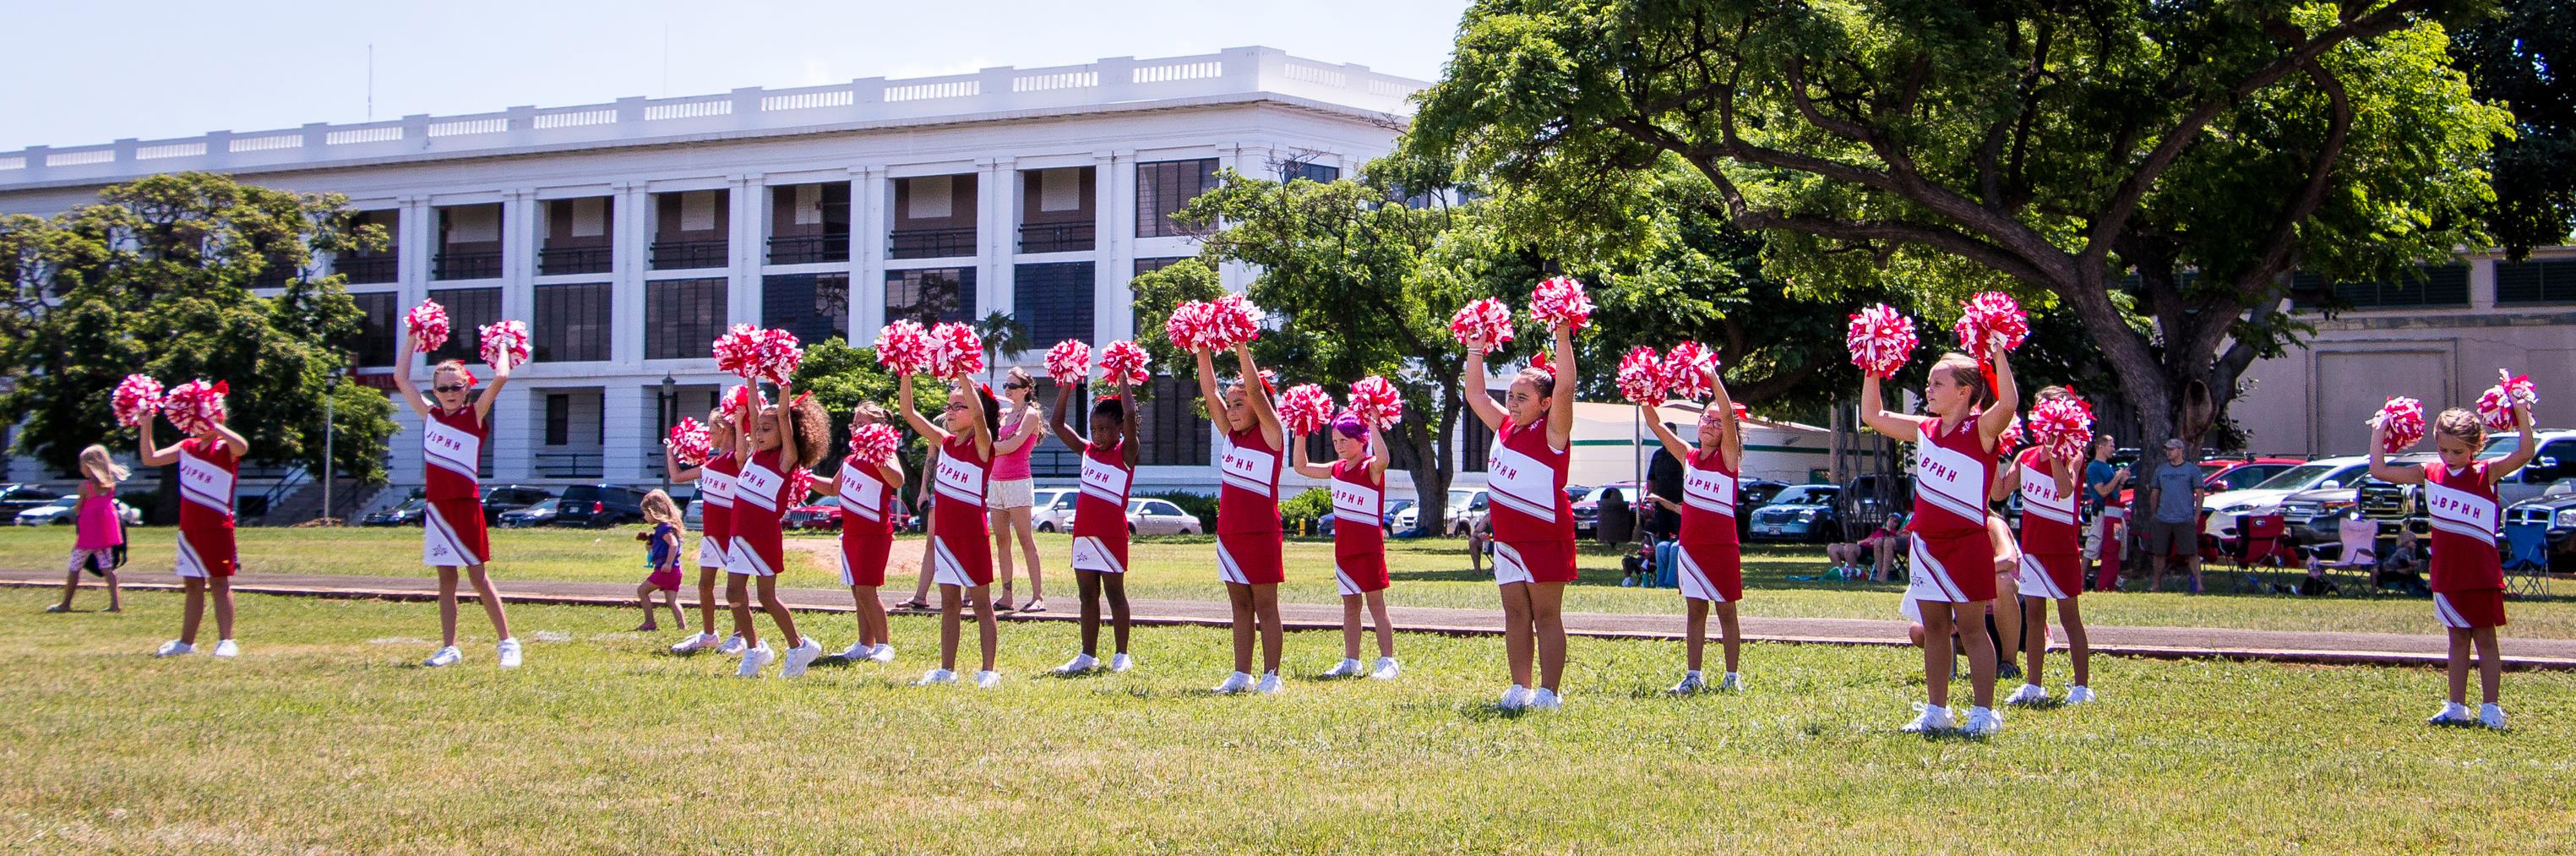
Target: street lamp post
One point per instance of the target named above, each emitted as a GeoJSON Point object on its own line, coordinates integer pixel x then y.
{"type": "Point", "coordinates": [670, 404]}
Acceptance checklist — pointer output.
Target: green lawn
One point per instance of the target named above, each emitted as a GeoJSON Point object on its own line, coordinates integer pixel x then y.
{"type": "Point", "coordinates": [1431, 572]}
{"type": "Point", "coordinates": [324, 737]}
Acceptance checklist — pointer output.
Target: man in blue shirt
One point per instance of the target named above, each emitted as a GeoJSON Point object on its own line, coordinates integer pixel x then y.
{"type": "Point", "coordinates": [2172, 532]}
{"type": "Point", "coordinates": [2102, 484]}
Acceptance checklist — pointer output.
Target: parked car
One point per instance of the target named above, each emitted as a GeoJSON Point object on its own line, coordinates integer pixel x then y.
{"type": "Point", "coordinates": [1393, 508]}
{"type": "Point", "coordinates": [1467, 506]}
{"type": "Point", "coordinates": [541, 514]}
{"type": "Point", "coordinates": [1587, 508]}
{"type": "Point", "coordinates": [410, 513]}
{"type": "Point", "coordinates": [2219, 475]}
{"type": "Point", "coordinates": [1750, 496]}
{"type": "Point", "coordinates": [1805, 512]}
{"type": "Point", "coordinates": [601, 505]}
{"type": "Point", "coordinates": [1159, 517]}
{"type": "Point", "coordinates": [823, 514]}
{"type": "Point", "coordinates": [2556, 462]}
{"type": "Point", "coordinates": [509, 497]}
{"type": "Point", "coordinates": [15, 498]}
{"type": "Point", "coordinates": [64, 511]}
{"type": "Point", "coordinates": [1051, 508]}
{"type": "Point", "coordinates": [2221, 509]}
{"type": "Point", "coordinates": [2555, 508]}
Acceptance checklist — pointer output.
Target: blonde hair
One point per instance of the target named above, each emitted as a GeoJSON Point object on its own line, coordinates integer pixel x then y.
{"type": "Point", "coordinates": [95, 463]}
{"type": "Point", "coordinates": [658, 508]}
{"type": "Point", "coordinates": [2463, 424]}
{"type": "Point", "coordinates": [457, 366]}
{"type": "Point", "coordinates": [875, 412]}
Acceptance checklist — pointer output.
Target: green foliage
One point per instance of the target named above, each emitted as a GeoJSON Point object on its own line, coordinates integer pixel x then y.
{"type": "Point", "coordinates": [1001, 335]}
{"type": "Point", "coordinates": [1312, 504]}
{"type": "Point", "coordinates": [2521, 60]}
{"type": "Point", "coordinates": [1157, 293]}
{"type": "Point", "coordinates": [841, 376]}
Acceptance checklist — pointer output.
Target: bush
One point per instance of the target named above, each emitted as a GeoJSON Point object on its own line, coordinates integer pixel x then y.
{"type": "Point", "coordinates": [1199, 505]}
{"type": "Point", "coordinates": [1311, 505]}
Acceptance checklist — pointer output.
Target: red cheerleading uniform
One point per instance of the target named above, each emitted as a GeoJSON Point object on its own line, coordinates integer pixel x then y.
{"type": "Point", "coordinates": [2468, 576]}
{"type": "Point", "coordinates": [2052, 544]}
{"type": "Point", "coordinates": [1100, 510]}
{"type": "Point", "coordinates": [1359, 546]}
{"type": "Point", "coordinates": [1952, 557]}
{"type": "Point", "coordinates": [715, 498]}
{"type": "Point", "coordinates": [207, 469]}
{"type": "Point", "coordinates": [1247, 510]}
{"type": "Point", "coordinates": [1711, 558]}
{"type": "Point", "coordinates": [760, 502]}
{"type": "Point", "coordinates": [867, 523]}
{"type": "Point", "coordinates": [452, 533]}
{"type": "Point", "coordinates": [1533, 522]}
{"type": "Point", "coordinates": [960, 541]}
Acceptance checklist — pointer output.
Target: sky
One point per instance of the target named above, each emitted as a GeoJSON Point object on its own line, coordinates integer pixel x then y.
{"type": "Point", "coordinates": [81, 74]}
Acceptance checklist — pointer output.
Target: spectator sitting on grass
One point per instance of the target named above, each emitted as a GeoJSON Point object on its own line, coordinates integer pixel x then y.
{"type": "Point", "coordinates": [1879, 546]}
{"type": "Point", "coordinates": [2402, 568]}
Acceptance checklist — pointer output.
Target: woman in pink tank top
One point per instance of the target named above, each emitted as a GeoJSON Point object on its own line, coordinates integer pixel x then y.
{"type": "Point", "coordinates": [1008, 504]}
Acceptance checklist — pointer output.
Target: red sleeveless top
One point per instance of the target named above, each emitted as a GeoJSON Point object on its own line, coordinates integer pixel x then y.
{"type": "Point", "coordinates": [1359, 509]}
{"type": "Point", "coordinates": [1248, 493]}
{"type": "Point", "coordinates": [452, 450]}
{"type": "Point", "coordinates": [2048, 522]}
{"type": "Point", "coordinates": [960, 480]}
{"type": "Point", "coordinates": [1708, 501]}
{"type": "Point", "coordinates": [760, 497]}
{"type": "Point", "coordinates": [715, 490]}
{"type": "Point", "coordinates": [2465, 511]}
{"type": "Point", "coordinates": [1951, 476]}
{"type": "Point", "coordinates": [867, 502]}
{"type": "Point", "coordinates": [1100, 510]}
{"type": "Point", "coordinates": [1525, 486]}
{"type": "Point", "coordinates": [207, 470]}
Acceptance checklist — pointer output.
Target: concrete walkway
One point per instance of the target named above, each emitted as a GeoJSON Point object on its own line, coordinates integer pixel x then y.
{"type": "Point", "coordinates": [2158, 642]}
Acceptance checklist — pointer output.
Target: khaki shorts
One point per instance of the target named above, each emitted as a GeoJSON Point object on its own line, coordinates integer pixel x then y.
{"type": "Point", "coordinates": [2170, 539]}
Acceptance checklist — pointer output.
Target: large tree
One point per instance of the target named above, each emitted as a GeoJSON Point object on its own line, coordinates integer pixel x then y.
{"type": "Point", "coordinates": [2153, 169]}
{"type": "Point", "coordinates": [2521, 60]}
{"type": "Point", "coordinates": [158, 277]}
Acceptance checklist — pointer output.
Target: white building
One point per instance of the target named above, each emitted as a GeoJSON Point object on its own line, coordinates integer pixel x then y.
{"type": "Point", "coordinates": [630, 234]}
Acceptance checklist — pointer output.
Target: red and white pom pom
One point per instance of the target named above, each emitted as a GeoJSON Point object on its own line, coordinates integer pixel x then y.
{"type": "Point", "coordinates": [196, 406]}
{"type": "Point", "coordinates": [1686, 370]}
{"type": "Point", "coordinates": [1186, 328]}
{"type": "Point", "coordinates": [505, 343]}
{"type": "Point", "coordinates": [955, 350]}
{"type": "Point", "coordinates": [904, 348]}
{"type": "Point", "coordinates": [1881, 340]}
{"type": "Point", "coordinates": [1068, 362]}
{"type": "Point", "coordinates": [737, 352]}
{"type": "Point", "coordinates": [1561, 300]}
{"type": "Point", "coordinates": [689, 444]}
{"type": "Point", "coordinates": [800, 486]}
{"type": "Point", "coordinates": [1305, 409]}
{"type": "Point", "coordinates": [1232, 321]}
{"type": "Point", "coordinates": [1483, 318]}
{"type": "Point", "coordinates": [875, 444]}
{"type": "Point", "coordinates": [137, 397]}
{"type": "Point", "coordinates": [2010, 440]}
{"type": "Point", "coordinates": [776, 355]}
{"type": "Point", "coordinates": [2495, 406]}
{"type": "Point", "coordinates": [2064, 426]}
{"type": "Point", "coordinates": [428, 325]}
{"type": "Point", "coordinates": [736, 398]}
{"type": "Point", "coordinates": [1987, 315]}
{"type": "Point", "coordinates": [1376, 401]}
{"type": "Point", "coordinates": [1123, 359]}
{"type": "Point", "coordinates": [2403, 419]}
{"type": "Point", "coordinates": [1641, 376]}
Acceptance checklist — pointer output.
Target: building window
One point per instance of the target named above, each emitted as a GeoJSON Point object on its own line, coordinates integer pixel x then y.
{"type": "Point", "coordinates": [1053, 301]}
{"type": "Point", "coordinates": [572, 324]}
{"type": "Point", "coordinates": [1163, 187]}
{"type": "Point", "coordinates": [468, 309]}
{"type": "Point", "coordinates": [682, 317]}
{"type": "Point", "coordinates": [930, 295]}
{"type": "Point", "coordinates": [1056, 210]}
{"type": "Point", "coordinates": [578, 237]}
{"type": "Point", "coordinates": [1297, 169]}
{"type": "Point", "coordinates": [689, 229]}
{"type": "Point", "coordinates": [378, 328]}
{"type": "Point", "coordinates": [934, 217]}
{"type": "Point", "coordinates": [558, 420]}
{"type": "Point", "coordinates": [2431, 285]}
{"type": "Point", "coordinates": [814, 306]}
{"type": "Point", "coordinates": [2536, 281]}
{"type": "Point", "coordinates": [469, 242]}
{"type": "Point", "coordinates": [809, 223]}
{"type": "Point", "coordinates": [1169, 423]}
{"type": "Point", "coordinates": [381, 266]}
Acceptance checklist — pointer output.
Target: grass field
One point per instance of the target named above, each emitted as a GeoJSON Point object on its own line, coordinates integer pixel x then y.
{"type": "Point", "coordinates": [323, 736]}
{"type": "Point", "coordinates": [1432, 572]}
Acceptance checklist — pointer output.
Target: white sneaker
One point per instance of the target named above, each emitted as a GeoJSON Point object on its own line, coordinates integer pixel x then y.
{"type": "Point", "coordinates": [695, 643]}
{"type": "Point", "coordinates": [2491, 715]}
{"type": "Point", "coordinates": [987, 679]}
{"type": "Point", "coordinates": [1514, 699]}
{"type": "Point", "coordinates": [1545, 699]}
{"type": "Point", "coordinates": [1935, 718]}
{"type": "Point", "coordinates": [2079, 694]}
{"type": "Point", "coordinates": [510, 652]}
{"type": "Point", "coordinates": [1120, 662]}
{"type": "Point", "coordinates": [1385, 670]}
{"type": "Point", "coordinates": [2453, 713]}
{"type": "Point", "coordinates": [936, 677]}
{"type": "Point", "coordinates": [1270, 684]}
{"type": "Point", "coordinates": [1733, 683]}
{"type": "Point", "coordinates": [1691, 683]}
{"type": "Point", "coordinates": [753, 659]}
{"type": "Point", "coordinates": [174, 648]}
{"type": "Point", "coordinates": [1079, 664]}
{"type": "Point", "coordinates": [1235, 683]}
{"type": "Point", "coordinates": [1983, 722]}
{"type": "Point", "coordinates": [2028, 694]}
{"type": "Point", "coordinates": [1347, 668]}
{"type": "Point", "coordinates": [226, 648]}
{"type": "Point", "coordinates": [732, 646]}
{"type": "Point", "coordinates": [799, 657]}
{"type": "Point", "coordinates": [447, 656]}
{"type": "Point", "coordinates": [857, 651]}
{"type": "Point", "coordinates": [884, 652]}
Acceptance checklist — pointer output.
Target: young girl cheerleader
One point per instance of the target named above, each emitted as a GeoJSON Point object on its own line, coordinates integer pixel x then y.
{"type": "Point", "coordinates": [208, 464]}
{"type": "Point", "coordinates": [2468, 576]}
{"type": "Point", "coordinates": [772, 442]}
{"type": "Point", "coordinates": [1248, 536]}
{"type": "Point", "coordinates": [1100, 519]}
{"type": "Point", "coordinates": [961, 555]}
{"type": "Point", "coordinates": [453, 430]}
{"type": "Point", "coordinates": [1952, 554]}
{"type": "Point", "coordinates": [867, 495]}
{"type": "Point", "coordinates": [715, 537]}
{"type": "Point", "coordinates": [1532, 519]}
{"type": "Point", "coordinates": [1358, 478]}
{"type": "Point", "coordinates": [93, 549]}
{"type": "Point", "coordinates": [1711, 559]}
{"type": "Point", "coordinates": [2052, 563]}
{"type": "Point", "coordinates": [661, 560]}
{"type": "Point", "coordinates": [1007, 503]}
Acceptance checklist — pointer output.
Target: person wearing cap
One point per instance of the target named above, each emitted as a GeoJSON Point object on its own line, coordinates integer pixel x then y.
{"type": "Point", "coordinates": [2172, 530]}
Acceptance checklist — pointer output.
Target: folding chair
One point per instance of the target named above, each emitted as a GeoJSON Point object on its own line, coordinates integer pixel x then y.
{"type": "Point", "coordinates": [2526, 564]}
{"type": "Point", "coordinates": [2259, 539]}
{"type": "Point", "coordinates": [2356, 560]}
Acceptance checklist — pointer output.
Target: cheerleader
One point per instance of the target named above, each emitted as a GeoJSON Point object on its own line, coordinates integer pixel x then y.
{"type": "Point", "coordinates": [1248, 536]}
{"type": "Point", "coordinates": [1532, 520]}
{"type": "Point", "coordinates": [1358, 478]}
{"type": "Point", "coordinates": [453, 430]}
{"type": "Point", "coordinates": [1711, 559]}
{"type": "Point", "coordinates": [715, 534]}
{"type": "Point", "coordinates": [208, 465]}
{"type": "Point", "coordinates": [1100, 518]}
{"type": "Point", "coordinates": [961, 555]}
{"type": "Point", "coordinates": [2468, 576]}
{"type": "Point", "coordinates": [867, 495]}
{"type": "Point", "coordinates": [2052, 564]}
{"type": "Point", "coordinates": [772, 442]}
{"type": "Point", "coordinates": [1952, 555]}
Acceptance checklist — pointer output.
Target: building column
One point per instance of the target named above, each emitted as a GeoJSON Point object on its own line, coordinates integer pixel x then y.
{"type": "Point", "coordinates": [411, 259]}
{"type": "Point", "coordinates": [743, 240]}
{"type": "Point", "coordinates": [519, 240]}
{"type": "Point", "coordinates": [1113, 181]}
{"type": "Point", "coordinates": [514, 433]}
{"type": "Point", "coordinates": [867, 252]}
{"type": "Point", "coordinates": [622, 430]}
{"type": "Point", "coordinates": [996, 236]}
{"type": "Point", "coordinates": [630, 220]}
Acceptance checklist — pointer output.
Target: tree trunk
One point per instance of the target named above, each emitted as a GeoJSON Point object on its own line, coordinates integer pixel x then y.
{"type": "Point", "coordinates": [165, 498]}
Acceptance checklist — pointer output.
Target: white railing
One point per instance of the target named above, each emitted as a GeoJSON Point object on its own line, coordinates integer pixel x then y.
{"type": "Point", "coordinates": [1117, 80]}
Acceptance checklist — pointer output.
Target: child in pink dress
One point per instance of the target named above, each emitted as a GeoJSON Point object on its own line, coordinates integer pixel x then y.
{"type": "Point", "coordinates": [101, 534]}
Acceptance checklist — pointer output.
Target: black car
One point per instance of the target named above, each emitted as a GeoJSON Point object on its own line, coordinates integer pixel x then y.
{"type": "Point", "coordinates": [597, 505]}
{"type": "Point", "coordinates": [15, 498]}
{"type": "Point", "coordinates": [2556, 511]}
{"type": "Point", "coordinates": [409, 513]}
{"type": "Point", "coordinates": [1804, 512]}
{"type": "Point", "coordinates": [511, 497]}
{"type": "Point", "coordinates": [1751, 495]}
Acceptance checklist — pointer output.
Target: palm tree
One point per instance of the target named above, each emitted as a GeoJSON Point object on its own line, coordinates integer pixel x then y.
{"type": "Point", "coordinates": [1002, 334]}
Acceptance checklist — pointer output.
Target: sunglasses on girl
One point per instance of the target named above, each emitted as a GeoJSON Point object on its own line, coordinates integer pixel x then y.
{"type": "Point", "coordinates": [452, 387]}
